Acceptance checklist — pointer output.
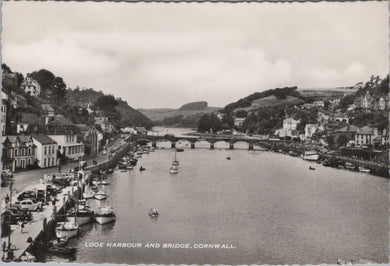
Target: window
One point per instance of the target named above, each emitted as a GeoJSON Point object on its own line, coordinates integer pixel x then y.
{"type": "Point", "coordinates": [29, 151]}
{"type": "Point", "coordinates": [48, 162]}
{"type": "Point", "coordinates": [44, 162]}
{"type": "Point", "coordinates": [45, 150]}
{"type": "Point", "coordinates": [52, 161]}
{"type": "Point", "coordinates": [52, 149]}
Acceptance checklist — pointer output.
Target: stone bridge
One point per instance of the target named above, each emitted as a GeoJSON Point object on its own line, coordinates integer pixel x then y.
{"type": "Point", "coordinates": [268, 144]}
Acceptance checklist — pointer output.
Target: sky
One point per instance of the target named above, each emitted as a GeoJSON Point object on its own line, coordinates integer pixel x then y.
{"type": "Point", "coordinates": [160, 55]}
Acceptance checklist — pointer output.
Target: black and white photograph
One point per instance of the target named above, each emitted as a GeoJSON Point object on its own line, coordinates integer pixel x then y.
{"type": "Point", "coordinates": [195, 133]}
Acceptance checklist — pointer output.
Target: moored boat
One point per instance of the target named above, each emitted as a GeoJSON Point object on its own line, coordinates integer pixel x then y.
{"type": "Point", "coordinates": [364, 169]}
{"type": "Point", "coordinates": [311, 156]}
{"type": "Point", "coordinates": [105, 215]}
{"type": "Point", "coordinates": [100, 195]}
{"type": "Point", "coordinates": [175, 161]}
{"type": "Point", "coordinates": [62, 250]}
{"type": "Point", "coordinates": [66, 229]}
{"type": "Point", "coordinates": [83, 217]}
{"type": "Point", "coordinates": [173, 169]}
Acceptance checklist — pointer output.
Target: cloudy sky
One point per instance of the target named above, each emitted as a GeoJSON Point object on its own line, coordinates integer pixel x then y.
{"type": "Point", "coordinates": [165, 55]}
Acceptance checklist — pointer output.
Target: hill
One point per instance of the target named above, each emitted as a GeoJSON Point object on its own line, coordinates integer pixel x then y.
{"type": "Point", "coordinates": [194, 106]}
{"type": "Point", "coordinates": [187, 116]}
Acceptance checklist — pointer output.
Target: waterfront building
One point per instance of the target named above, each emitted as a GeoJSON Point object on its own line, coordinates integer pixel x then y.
{"type": "Point", "coordinates": [238, 121]}
{"type": "Point", "coordinates": [340, 117]}
{"type": "Point", "coordinates": [348, 132]}
{"type": "Point", "coordinates": [68, 147]}
{"type": "Point", "coordinates": [31, 86]}
{"type": "Point", "coordinates": [310, 130]}
{"type": "Point", "coordinates": [46, 151]}
{"type": "Point", "coordinates": [4, 100]}
{"type": "Point", "coordinates": [364, 136]}
{"type": "Point", "coordinates": [18, 152]}
{"type": "Point", "coordinates": [89, 137]}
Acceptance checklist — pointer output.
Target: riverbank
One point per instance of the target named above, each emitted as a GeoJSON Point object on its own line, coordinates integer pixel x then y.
{"type": "Point", "coordinates": [33, 237]}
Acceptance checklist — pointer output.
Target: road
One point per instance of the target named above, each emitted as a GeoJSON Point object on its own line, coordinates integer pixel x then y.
{"type": "Point", "coordinates": [27, 178]}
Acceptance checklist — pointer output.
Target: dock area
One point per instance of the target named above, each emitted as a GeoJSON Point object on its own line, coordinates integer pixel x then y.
{"type": "Point", "coordinates": [34, 234]}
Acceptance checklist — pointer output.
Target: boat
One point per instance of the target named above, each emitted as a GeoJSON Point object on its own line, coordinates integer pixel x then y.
{"type": "Point", "coordinates": [100, 195]}
{"type": "Point", "coordinates": [153, 213]}
{"type": "Point", "coordinates": [364, 169]}
{"type": "Point", "coordinates": [326, 163]}
{"type": "Point", "coordinates": [175, 161]}
{"type": "Point", "coordinates": [142, 169]}
{"type": "Point", "coordinates": [82, 216]}
{"type": "Point", "coordinates": [88, 194]}
{"type": "Point", "coordinates": [311, 168]}
{"type": "Point", "coordinates": [173, 169]}
{"type": "Point", "coordinates": [179, 149]}
{"type": "Point", "coordinates": [311, 156]}
{"type": "Point", "coordinates": [58, 242]}
{"type": "Point", "coordinates": [105, 215]}
{"type": "Point", "coordinates": [62, 250]}
{"type": "Point", "coordinates": [66, 229]}
{"type": "Point", "coordinates": [350, 166]}
{"type": "Point", "coordinates": [105, 182]}
{"type": "Point", "coordinates": [129, 167]}
{"type": "Point", "coordinates": [228, 158]}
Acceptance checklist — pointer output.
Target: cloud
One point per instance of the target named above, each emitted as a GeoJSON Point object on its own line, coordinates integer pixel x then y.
{"type": "Point", "coordinates": [164, 55]}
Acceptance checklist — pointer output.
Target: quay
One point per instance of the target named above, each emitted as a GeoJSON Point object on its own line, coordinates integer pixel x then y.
{"type": "Point", "coordinates": [35, 234]}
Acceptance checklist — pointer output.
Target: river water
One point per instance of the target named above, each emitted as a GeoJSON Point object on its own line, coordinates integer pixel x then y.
{"type": "Point", "coordinates": [268, 208]}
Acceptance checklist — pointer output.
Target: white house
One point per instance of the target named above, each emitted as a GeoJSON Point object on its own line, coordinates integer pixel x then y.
{"type": "Point", "coordinates": [46, 151]}
{"type": "Point", "coordinates": [31, 86]}
{"type": "Point", "coordinates": [238, 122]}
{"type": "Point", "coordinates": [68, 145]}
{"type": "Point", "coordinates": [310, 130]}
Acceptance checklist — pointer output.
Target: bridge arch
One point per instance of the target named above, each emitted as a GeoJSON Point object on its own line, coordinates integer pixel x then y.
{"type": "Point", "coordinates": [183, 143]}
{"type": "Point", "coordinates": [222, 144]}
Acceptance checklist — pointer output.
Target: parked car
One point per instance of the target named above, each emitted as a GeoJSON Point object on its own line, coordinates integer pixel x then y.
{"type": "Point", "coordinates": [28, 194]}
{"type": "Point", "coordinates": [15, 214]}
{"type": "Point", "coordinates": [29, 205]}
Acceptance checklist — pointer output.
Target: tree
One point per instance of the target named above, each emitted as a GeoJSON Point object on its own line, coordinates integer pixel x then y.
{"type": "Point", "coordinates": [6, 69]}
{"type": "Point", "coordinates": [209, 122]}
{"type": "Point", "coordinates": [106, 102]}
{"type": "Point", "coordinates": [342, 140]}
{"type": "Point", "coordinates": [241, 113]}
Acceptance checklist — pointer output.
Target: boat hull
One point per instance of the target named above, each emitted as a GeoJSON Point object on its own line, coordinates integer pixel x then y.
{"type": "Point", "coordinates": [311, 157]}
{"type": "Point", "coordinates": [104, 219]}
{"type": "Point", "coordinates": [80, 220]}
{"type": "Point", "coordinates": [100, 197]}
{"type": "Point", "coordinates": [68, 233]}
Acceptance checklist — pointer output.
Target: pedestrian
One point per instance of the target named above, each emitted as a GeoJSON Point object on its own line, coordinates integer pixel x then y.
{"type": "Point", "coordinates": [6, 199]}
{"type": "Point", "coordinates": [22, 227]}
{"type": "Point", "coordinates": [4, 246]}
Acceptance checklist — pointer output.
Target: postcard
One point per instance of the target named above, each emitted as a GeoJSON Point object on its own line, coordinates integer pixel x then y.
{"type": "Point", "coordinates": [195, 133]}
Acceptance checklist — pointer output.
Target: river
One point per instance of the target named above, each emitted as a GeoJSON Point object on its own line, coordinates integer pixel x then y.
{"type": "Point", "coordinates": [268, 208]}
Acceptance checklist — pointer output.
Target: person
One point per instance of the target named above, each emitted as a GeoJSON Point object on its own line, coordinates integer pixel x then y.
{"type": "Point", "coordinates": [6, 199]}
{"type": "Point", "coordinates": [21, 225]}
{"type": "Point", "coordinates": [4, 246]}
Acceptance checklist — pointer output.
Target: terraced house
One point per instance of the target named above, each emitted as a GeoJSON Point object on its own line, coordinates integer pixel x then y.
{"type": "Point", "coordinates": [46, 150]}
{"type": "Point", "coordinates": [18, 152]}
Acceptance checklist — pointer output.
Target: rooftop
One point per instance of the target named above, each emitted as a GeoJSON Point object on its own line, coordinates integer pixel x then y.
{"type": "Point", "coordinates": [43, 139]}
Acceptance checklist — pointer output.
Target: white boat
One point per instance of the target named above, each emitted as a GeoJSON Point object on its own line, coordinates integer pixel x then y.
{"type": "Point", "coordinates": [173, 169]}
{"type": "Point", "coordinates": [105, 182]}
{"type": "Point", "coordinates": [100, 195]}
{"type": "Point", "coordinates": [83, 217]}
{"type": "Point", "coordinates": [363, 169]}
{"type": "Point", "coordinates": [88, 194]}
{"type": "Point", "coordinates": [105, 215]}
{"type": "Point", "coordinates": [66, 229]}
{"type": "Point", "coordinates": [129, 167]}
{"type": "Point", "coordinates": [311, 156]}
{"type": "Point", "coordinates": [96, 182]}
